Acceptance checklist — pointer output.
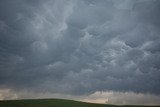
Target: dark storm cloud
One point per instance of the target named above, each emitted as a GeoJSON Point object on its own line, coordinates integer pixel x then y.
{"type": "Point", "coordinates": [80, 47]}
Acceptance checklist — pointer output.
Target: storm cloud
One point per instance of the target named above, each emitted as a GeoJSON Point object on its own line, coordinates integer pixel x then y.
{"type": "Point", "coordinates": [79, 47]}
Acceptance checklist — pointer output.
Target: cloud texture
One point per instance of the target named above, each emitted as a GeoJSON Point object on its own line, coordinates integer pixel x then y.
{"type": "Point", "coordinates": [80, 47]}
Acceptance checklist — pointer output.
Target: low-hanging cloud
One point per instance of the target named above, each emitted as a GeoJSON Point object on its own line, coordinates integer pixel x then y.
{"type": "Point", "coordinates": [80, 47]}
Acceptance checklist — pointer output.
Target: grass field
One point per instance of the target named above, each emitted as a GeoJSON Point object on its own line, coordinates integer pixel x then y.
{"type": "Point", "coordinates": [53, 103]}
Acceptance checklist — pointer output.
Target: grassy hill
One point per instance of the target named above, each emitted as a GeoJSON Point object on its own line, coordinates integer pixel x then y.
{"type": "Point", "coordinates": [52, 103]}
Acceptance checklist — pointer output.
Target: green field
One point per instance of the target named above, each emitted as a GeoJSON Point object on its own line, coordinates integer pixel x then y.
{"type": "Point", "coordinates": [53, 103]}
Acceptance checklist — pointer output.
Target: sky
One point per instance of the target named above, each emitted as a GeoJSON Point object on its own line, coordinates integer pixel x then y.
{"type": "Point", "coordinates": [104, 51]}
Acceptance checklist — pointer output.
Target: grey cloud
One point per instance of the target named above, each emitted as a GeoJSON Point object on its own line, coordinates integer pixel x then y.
{"type": "Point", "coordinates": [80, 47]}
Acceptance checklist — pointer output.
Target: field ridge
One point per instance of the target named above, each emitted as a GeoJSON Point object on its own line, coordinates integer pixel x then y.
{"type": "Point", "coordinates": [55, 103]}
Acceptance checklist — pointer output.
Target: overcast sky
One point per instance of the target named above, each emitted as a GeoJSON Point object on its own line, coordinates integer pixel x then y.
{"type": "Point", "coordinates": [81, 49]}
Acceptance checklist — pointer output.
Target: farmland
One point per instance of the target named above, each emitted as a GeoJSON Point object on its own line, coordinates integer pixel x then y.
{"type": "Point", "coordinates": [53, 103]}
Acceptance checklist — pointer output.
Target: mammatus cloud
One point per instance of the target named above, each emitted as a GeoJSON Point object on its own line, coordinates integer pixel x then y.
{"type": "Point", "coordinates": [80, 47]}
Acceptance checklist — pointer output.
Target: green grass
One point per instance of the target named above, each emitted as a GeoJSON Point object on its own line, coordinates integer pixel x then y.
{"type": "Point", "coordinates": [52, 103]}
